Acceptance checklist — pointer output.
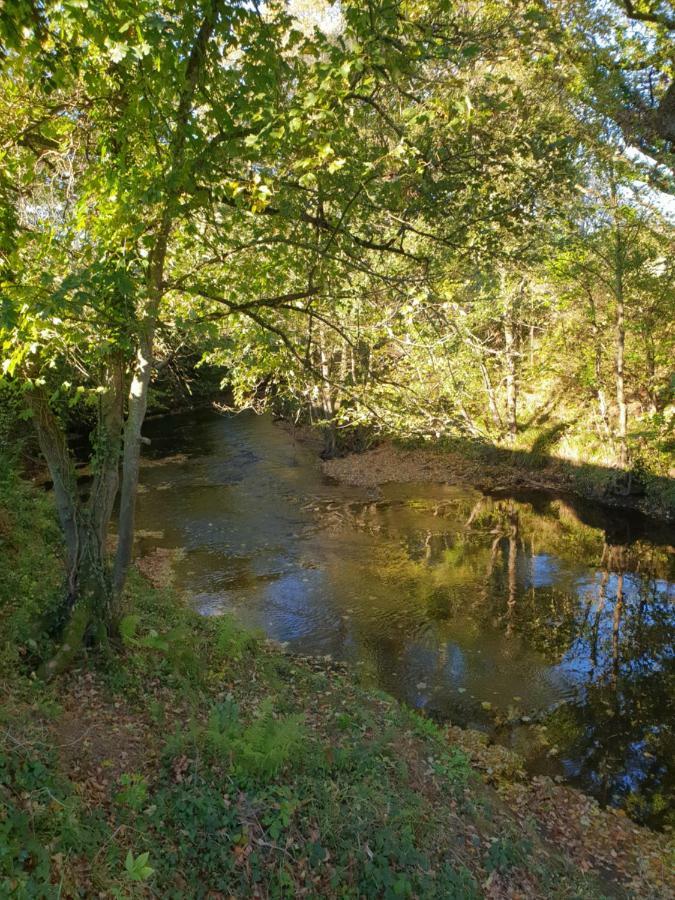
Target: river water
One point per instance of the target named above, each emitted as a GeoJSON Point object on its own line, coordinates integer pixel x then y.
{"type": "Point", "coordinates": [545, 621]}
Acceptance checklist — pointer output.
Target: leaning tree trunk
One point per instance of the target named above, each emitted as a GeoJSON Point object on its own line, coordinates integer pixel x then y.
{"type": "Point", "coordinates": [137, 406]}
{"type": "Point", "coordinates": [155, 286]}
{"type": "Point", "coordinates": [88, 594]}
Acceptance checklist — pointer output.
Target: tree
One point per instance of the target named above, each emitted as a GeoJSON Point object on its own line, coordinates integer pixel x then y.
{"type": "Point", "coordinates": [350, 206]}
{"type": "Point", "coordinates": [111, 116]}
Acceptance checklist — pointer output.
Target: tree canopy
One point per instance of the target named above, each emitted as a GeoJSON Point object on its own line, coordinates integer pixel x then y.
{"type": "Point", "coordinates": [418, 218]}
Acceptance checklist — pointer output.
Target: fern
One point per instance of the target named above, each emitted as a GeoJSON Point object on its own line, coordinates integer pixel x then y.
{"type": "Point", "coordinates": [223, 728]}
{"type": "Point", "coordinates": [262, 748]}
{"type": "Point", "coordinates": [268, 744]}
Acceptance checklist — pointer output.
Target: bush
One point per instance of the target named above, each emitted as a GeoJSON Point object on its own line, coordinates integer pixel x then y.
{"type": "Point", "coordinates": [32, 571]}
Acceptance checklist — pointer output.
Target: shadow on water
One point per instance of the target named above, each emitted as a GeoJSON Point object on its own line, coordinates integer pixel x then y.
{"type": "Point", "coordinates": [545, 621]}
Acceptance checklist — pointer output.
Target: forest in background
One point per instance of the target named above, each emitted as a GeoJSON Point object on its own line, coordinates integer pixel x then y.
{"type": "Point", "coordinates": [443, 224]}
{"type": "Point", "coordinates": [425, 220]}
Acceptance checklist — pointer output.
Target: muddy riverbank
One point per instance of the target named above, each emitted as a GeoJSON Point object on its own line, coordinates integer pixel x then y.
{"type": "Point", "coordinates": [389, 463]}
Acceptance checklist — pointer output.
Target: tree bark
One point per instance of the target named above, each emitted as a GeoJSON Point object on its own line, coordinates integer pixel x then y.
{"type": "Point", "coordinates": [511, 356]}
{"type": "Point", "coordinates": [137, 407]}
{"type": "Point", "coordinates": [52, 441]}
{"type": "Point", "coordinates": [85, 527]}
{"type": "Point", "coordinates": [597, 347]}
{"type": "Point", "coordinates": [492, 400]}
{"type": "Point", "coordinates": [107, 451]}
{"type": "Point", "coordinates": [155, 287]}
{"type": "Point", "coordinates": [620, 336]}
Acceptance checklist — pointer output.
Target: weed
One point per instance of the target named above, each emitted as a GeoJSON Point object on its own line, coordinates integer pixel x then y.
{"type": "Point", "coordinates": [507, 853]}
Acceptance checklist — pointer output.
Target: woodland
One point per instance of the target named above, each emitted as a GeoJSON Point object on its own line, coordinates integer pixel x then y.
{"type": "Point", "coordinates": [447, 225]}
{"type": "Point", "coordinates": [422, 218]}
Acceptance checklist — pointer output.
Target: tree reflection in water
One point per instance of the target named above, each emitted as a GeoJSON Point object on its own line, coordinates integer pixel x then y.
{"type": "Point", "coordinates": [614, 636]}
{"type": "Point", "coordinates": [488, 610]}
{"type": "Point", "coordinates": [616, 738]}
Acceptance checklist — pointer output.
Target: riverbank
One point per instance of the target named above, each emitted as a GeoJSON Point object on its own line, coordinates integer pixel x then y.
{"type": "Point", "coordinates": [205, 762]}
{"type": "Point", "coordinates": [495, 469]}
{"type": "Point", "coordinates": [199, 760]}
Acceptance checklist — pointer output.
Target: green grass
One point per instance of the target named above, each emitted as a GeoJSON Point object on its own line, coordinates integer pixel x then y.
{"type": "Point", "coordinates": [264, 774]}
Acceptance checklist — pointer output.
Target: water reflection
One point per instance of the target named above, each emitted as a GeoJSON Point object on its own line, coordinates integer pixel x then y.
{"type": "Point", "coordinates": [505, 613]}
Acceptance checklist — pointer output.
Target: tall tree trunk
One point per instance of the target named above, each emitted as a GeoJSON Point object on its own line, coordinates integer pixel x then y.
{"type": "Point", "coordinates": [108, 444]}
{"type": "Point", "coordinates": [650, 358]}
{"type": "Point", "coordinates": [327, 396]}
{"type": "Point", "coordinates": [142, 374]}
{"type": "Point", "coordinates": [511, 358]}
{"type": "Point", "coordinates": [620, 336]}
{"type": "Point", "coordinates": [492, 399]}
{"type": "Point", "coordinates": [622, 423]}
{"type": "Point", "coordinates": [137, 407]}
{"type": "Point", "coordinates": [599, 390]}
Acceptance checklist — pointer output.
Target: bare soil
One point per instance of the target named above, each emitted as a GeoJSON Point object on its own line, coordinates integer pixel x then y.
{"type": "Point", "coordinates": [388, 463]}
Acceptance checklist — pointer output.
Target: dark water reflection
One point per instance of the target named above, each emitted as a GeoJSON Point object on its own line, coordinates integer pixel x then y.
{"type": "Point", "coordinates": [546, 621]}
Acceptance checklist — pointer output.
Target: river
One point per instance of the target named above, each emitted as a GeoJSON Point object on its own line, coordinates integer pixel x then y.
{"type": "Point", "coordinates": [545, 621]}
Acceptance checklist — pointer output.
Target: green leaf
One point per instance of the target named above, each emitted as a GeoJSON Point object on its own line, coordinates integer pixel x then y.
{"type": "Point", "coordinates": [137, 868]}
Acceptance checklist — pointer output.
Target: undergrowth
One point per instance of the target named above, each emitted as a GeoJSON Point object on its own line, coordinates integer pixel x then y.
{"type": "Point", "coordinates": [30, 568]}
{"type": "Point", "coordinates": [264, 776]}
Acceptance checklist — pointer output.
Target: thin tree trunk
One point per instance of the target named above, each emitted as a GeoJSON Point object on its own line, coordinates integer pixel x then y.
{"type": "Point", "coordinates": [511, 355]}
{"type": "Point", "coordinates": [142, 374]}
{"type": "Point", "coordinates": [107, 451]}
{"type": "Point", "coordinates": [137, 406]}
{"type": "Point", "coordinates": [620, 381]}
{"type": "Point", "coordinates": [620, 336]}
{"type": "Point", "coordinates": [492, 399]}
{"type": "Point", "coordinates": [52, 441]}
{"type": "Point", "coordinates": [327, 398]}
{"type": "Point", "coordinates": [650, 357]}
{"type": "Point", "coordinates": [599, 391]}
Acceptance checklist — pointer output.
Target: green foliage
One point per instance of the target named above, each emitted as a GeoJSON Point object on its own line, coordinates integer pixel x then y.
{"type": "Point", "coordinates": [137, 868]}
{"type": "Point", "coordinates": [32, 572]}
{"type": "Point", "coordinates": [233, 641]}
{"type": "Point", "coordinates": [262, 748]}
{"type": "Point", "coordinates": [506, 853]}
{"type": "Point", "coordinates": [134, 792]}
{"type": "Point", "coordinates": [41, 818]}
{"type": "Point", "coordinates": [455, 767]}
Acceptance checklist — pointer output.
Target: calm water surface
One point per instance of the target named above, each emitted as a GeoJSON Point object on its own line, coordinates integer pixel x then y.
{"type": "Point", "coordinates": [545, 621]}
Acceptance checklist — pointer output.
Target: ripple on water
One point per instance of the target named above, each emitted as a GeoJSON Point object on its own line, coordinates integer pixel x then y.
{"type": "Point", "coordinates": [503, 612]}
